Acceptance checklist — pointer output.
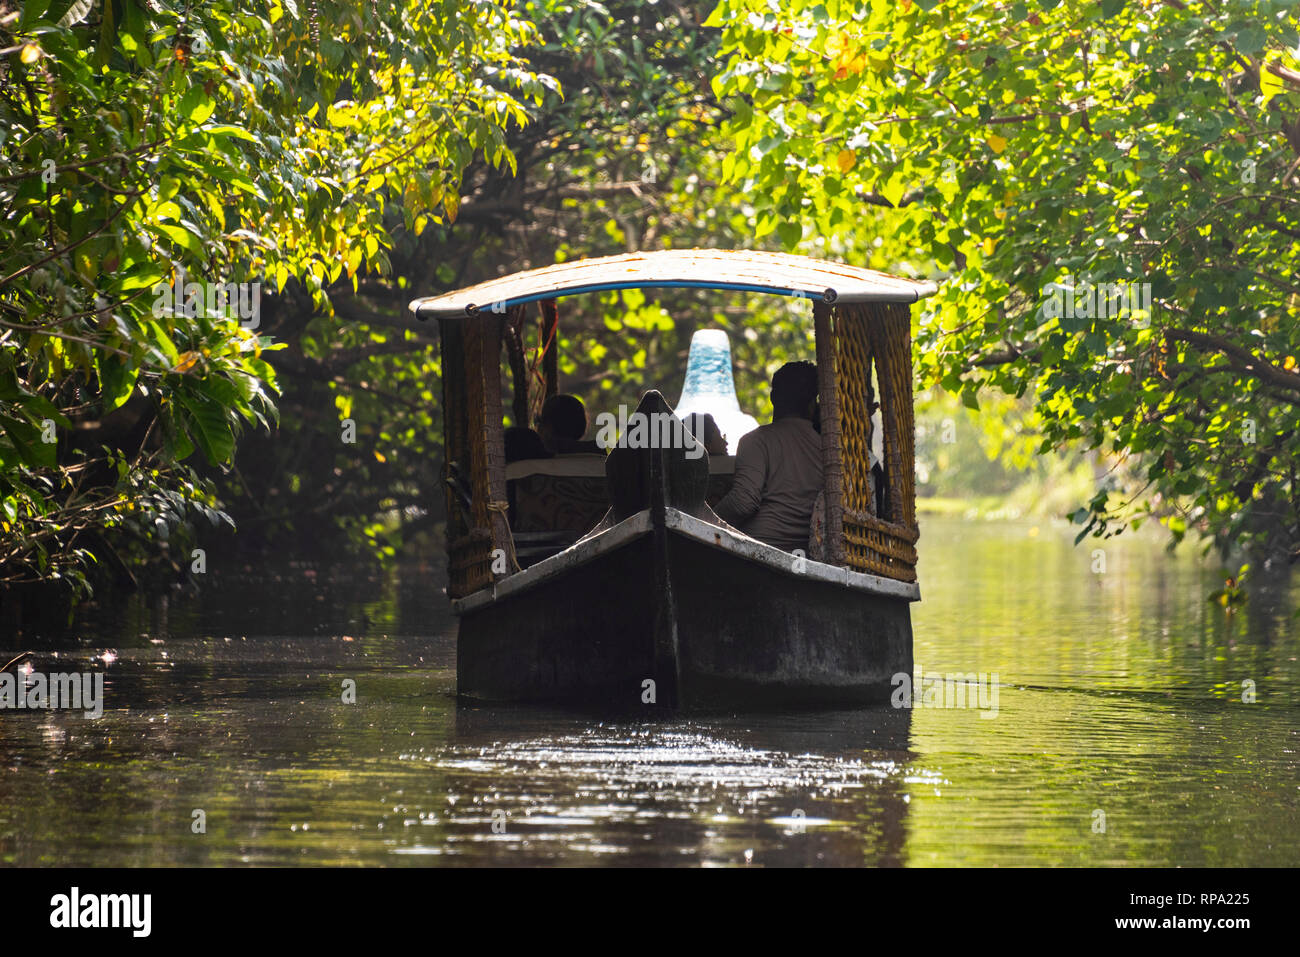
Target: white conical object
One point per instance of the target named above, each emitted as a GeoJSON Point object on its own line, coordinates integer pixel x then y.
{"type": "Point", "coordinates": [710, 389]}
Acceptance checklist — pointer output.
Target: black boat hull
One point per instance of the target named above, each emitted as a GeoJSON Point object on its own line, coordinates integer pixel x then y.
{"type": "Point", "coordinates": [673, 613]}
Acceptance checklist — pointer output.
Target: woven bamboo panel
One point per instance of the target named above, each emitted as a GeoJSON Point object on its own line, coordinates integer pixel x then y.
{"type": "Point", "coordinates": [456, 450]}
{"type": "Point", "coordinates": [880, 547]}
{"type": "Point", "coordinates": [855, 397]}
{"type": "Point", "coordinates": [891, 340]}
{"type": "Point", "coordinates": [486, 433]}
{"type": "Point", "coordinates": [494, 437]}
{"type": "Point", "coordinates": [874, 335]}
{"type": "Point", "coordinates": [469, 563]}
{"type": "Point", "coordinates": [476, 405]}
{"type": "Point", "coordinates": [475, 442]}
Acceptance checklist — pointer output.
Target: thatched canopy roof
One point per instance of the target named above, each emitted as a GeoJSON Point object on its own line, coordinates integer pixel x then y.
{"type": "Point", "coordinates": [734, 270]}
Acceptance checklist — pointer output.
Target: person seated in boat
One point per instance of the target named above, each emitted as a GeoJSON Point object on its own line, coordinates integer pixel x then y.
{"type": "Point", "coordinates": [523, 443]}
{"type": "Point", "coordinates": [779, 466]}
{"type": "Point", "coordinates": [705, 429]}
{"type": "Point", "coordinates": [562, 425]}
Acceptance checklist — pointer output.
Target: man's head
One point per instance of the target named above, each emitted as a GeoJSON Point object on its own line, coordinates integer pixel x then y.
{"type": "Point", "coordinates": [563, 417]}
{"type": "Point", "coordinates": [794, 391]}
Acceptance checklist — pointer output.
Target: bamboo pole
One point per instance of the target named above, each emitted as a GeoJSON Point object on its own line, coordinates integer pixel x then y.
{"type": "Point", "coordinates": [486, 434]}
{"type": "Point", "coordinates": [832, 469]}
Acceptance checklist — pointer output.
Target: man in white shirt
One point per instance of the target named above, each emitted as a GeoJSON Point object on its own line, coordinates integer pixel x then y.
{"type": "Point", "coordinates": [779, 466]}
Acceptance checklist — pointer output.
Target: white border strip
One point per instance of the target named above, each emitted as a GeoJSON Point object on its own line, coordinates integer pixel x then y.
{"type": "Point", "coordinates": [782, 561]}
{"type": "Point", "coordinates": [576, 554]}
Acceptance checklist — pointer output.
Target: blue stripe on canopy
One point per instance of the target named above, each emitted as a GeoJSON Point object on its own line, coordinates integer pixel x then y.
{"type": "Point", "coordinates": [827, 295]}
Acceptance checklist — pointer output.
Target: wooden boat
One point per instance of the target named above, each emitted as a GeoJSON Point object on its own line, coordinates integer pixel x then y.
{"type": "Point", "coordinates": [634, 594]}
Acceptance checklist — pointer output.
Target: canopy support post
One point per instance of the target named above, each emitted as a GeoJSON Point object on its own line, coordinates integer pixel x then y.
{"type": "Point", "coordinates": [462, 542]}
{"type": "Point", "coordinates": [832, 468]}
{"type": "Point", "coordinates": [487, 446]}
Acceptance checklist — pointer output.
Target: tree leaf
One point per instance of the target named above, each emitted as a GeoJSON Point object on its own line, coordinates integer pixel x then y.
{"type": "Point", "coordinates": [116, 381]}
{"type": "Point", "coordinates": [79, 10]}
{"type": "Point", "coordinates": [196, 105]}
{"type": "Point", "coordinates": [209, 428]}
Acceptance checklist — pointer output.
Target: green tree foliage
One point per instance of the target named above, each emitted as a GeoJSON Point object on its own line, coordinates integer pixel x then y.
{"type": "Point", "coordinates": [351, 156]}
{"type": "Point", "coordinates": [629, 159]}
{"type": "Point", "coordinates": [144, 144]}
{"type": "Point", "coordinates": [622, 156]}
{"type": "Point", "coordinates": [1026, 147]}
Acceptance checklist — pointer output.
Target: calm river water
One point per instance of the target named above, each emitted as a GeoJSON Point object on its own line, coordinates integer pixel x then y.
{"type": "Point", "coordinates": [1121, 735]}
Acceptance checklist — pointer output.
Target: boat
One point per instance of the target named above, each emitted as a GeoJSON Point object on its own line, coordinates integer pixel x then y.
{"type": "Point", "coordinates": [607, 581]}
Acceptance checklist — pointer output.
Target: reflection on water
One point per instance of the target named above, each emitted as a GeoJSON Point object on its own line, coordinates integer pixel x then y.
{"type": "Point", "coordinates": [1119, 701]}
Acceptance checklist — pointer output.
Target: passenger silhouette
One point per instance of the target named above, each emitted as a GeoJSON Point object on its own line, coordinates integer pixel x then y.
{"type": "Point", "coordinates": [563, 423]}
{"type": "Point", "coordinates": [779, 466]}
{"type": "Point", "coordinates": [522, 442]}
{"type": "Point", "coordinates": [705, 429]}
